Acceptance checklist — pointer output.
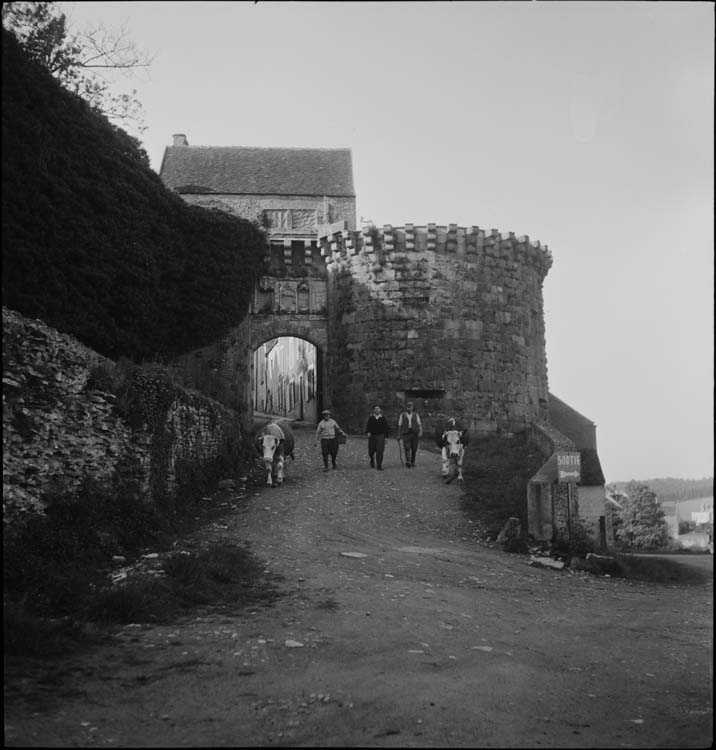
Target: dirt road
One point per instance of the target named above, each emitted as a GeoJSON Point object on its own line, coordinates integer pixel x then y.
{"type": "Point", "coordinates": [396, 629]}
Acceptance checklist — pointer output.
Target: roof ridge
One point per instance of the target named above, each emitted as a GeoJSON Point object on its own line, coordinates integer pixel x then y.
{"type": "Point", "coordinates": [272, 148]}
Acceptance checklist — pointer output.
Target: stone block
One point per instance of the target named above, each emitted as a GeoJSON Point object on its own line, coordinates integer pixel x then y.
{"type": "Point", "coordinates": [510, 538]}
{"type": "Point", "coordinates": [546, 562]}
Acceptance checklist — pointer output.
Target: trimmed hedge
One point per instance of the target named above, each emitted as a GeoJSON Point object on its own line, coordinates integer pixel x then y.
{"type": "Point", "coordinates": [95, 245]}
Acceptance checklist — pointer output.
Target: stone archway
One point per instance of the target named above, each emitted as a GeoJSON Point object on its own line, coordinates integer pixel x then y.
{"type": "Point", "coordinates": [309, 328]}
{"type": "Point", "coordinates": [286, 380]}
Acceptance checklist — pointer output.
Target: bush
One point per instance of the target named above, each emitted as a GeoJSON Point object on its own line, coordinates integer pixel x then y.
{"type": "Point", "coordinates": [659, 570]}
{"type": "Point", "coordinates": [579, 543]}
{"type": "Point", "coordinates": [144, 600]}
{"type": "Point", "coordinates": [95, 244]}
{"type": "Point", "coordinates": [221, 574]}
{"type": "Point", "coordinates": [497, 470]}
{"type": "Point", "coordinates": [55, 559]}
{"type": "Point", "coordinates": [24, 634]}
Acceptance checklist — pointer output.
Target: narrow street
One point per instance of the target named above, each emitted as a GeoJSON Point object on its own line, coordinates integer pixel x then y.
{"type": "Point", "coordinates": [396, 628]}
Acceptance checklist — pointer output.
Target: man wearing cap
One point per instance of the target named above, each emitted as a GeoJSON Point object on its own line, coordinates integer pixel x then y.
{"type": "Point", "coordinates": [326, 433]}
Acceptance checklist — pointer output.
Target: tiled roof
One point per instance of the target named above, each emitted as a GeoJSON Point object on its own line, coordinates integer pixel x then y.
{"type": "Point", "coordinates": [592, 474]}
{"type": "Point", "coordinates": [258, 171]}
{"type": "Point", "coordinates": [582, 432]}
{"type": "Point", "coordinates": [570, 422]}
{"type": "Point", "coordinates": [548, 471]}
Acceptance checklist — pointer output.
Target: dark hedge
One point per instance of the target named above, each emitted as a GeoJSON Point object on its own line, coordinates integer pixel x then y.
{"type": "Point", "coordinates": [93, 242]}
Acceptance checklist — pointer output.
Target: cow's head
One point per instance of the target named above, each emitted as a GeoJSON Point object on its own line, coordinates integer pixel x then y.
{"type": "Point", "coordinates": [268, 445]}
{"type": "Point", "coordinates": [452, 441]}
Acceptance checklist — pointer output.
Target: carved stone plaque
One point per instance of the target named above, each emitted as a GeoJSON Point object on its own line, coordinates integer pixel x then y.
{"type": "Point", "coordinates": [279, 218]}
{"type": "Point", "coordinates": [303, 218]}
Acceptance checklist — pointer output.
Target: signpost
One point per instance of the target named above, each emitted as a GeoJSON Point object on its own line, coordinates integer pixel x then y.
{"type": "Point", "coordinates": [569, 467]}
{"type": "Point", "coordinates": [569, 471]}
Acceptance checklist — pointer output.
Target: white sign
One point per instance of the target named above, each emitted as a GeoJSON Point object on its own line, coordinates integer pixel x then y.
{"type": "Point", "coordinates": [569, 467]}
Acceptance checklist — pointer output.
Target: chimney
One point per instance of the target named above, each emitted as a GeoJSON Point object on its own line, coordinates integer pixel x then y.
{"type": "Point", "coordinates": [180, 139]}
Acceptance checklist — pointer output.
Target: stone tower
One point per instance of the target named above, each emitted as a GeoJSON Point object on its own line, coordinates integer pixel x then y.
{"type": "Point", "coordinates": [447, 316]}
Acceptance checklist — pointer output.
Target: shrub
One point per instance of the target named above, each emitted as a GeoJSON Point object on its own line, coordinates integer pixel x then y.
{"type": "Point", "coordinates": [220, 574]}
{"type": "Point", "coordinates": [95, 244]}
{"type": "Point", "coordinates": [579, 543]}
{"type": "Point", "coordinates": [497, 470]}
{"type": "Point", "coordinates": [24, 634]}
{"type": "Point", "coordinates": [143, 600]}
{"type": "Point", "coordinates": [55, 559]}
{"type": "Point", "coordinates": [659, 570]}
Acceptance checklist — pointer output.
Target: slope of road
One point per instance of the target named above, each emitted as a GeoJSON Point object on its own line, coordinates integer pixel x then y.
{"type": "Point", "coordinates": [395, 628]}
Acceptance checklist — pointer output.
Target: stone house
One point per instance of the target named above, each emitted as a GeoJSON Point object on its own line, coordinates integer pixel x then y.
{"type": "Point", "coordinates": [292, 191]}
{"type": "Point", "coordinates": [552, 506]}
{"type": "Point", "coordinates": [592, 495]}
{"type": "Point", "coordinates": [297, 194]}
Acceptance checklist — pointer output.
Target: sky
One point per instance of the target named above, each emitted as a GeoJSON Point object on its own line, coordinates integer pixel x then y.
{"type": "Point", "coordinates": [587, 126]}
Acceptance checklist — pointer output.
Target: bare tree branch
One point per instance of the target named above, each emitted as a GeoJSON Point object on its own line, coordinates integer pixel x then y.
{"type": "Point", "coordinates": [80, 60]}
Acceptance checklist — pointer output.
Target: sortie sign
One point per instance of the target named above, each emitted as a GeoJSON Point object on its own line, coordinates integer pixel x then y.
{"type": "Point", "coordinates": [569, 467]}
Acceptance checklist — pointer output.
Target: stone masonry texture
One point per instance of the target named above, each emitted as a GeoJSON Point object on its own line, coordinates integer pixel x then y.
{"type": "Point", "coordinates": [453, 312]}
{"type": "Point", "coordinates": [60, 427]}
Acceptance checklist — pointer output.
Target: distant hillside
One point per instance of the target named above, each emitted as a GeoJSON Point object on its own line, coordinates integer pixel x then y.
{"type": "Point", "coordinates": [93, 242]}
{"type": "Point", "coordinates": [675, 490]}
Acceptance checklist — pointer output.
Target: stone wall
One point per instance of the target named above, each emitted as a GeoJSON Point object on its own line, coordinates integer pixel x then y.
{"type": "Point", "coordinates": [548, 510]}
{"type": "Point", "coordinates": [327, 209]}
{"type": "Point", "coordinates": [222, 371]}
{"type": "Point", "coordinates": [456, 313]}
{"type": "Point", "coordinates": [62, 423]}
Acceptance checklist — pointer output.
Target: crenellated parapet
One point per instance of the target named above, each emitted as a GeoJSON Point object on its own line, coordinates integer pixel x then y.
{"type": "Point", "coordinates": [468, 244]}
{"type": "Point", "coordinates": [449, 315]}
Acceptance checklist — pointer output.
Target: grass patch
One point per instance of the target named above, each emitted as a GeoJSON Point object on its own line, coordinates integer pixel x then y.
{"type": "Point", "coordinates": [659, 570]}
{"type": "Point", "coordinates": [56, 570]}
{"type": "Point", "coordinates": [497, 470]}
{"type": "Point", "coordinates": [25, 634]}
{"type": "Point", "coordinates": [53, 562]}
{"type": "Point", "coordinates": [221, 575]}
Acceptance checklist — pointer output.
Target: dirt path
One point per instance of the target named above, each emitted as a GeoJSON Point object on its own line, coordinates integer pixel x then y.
{"type": "Point", "coordinates": [426, 639]}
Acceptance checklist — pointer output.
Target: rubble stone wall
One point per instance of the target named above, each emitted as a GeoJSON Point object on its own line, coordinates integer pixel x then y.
{"type": "Point", "coordinates": [60, 427]}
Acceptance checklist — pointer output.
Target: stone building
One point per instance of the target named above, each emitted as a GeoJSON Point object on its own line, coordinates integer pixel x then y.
{"type": "Point", "coordinates": [550, 504]}
{"type": "Point", "coordinates": [292, 191]}
{"type": "Point", "coordinates": [449, 317]}
{"type": "Point", "coordinates": [297, 193]}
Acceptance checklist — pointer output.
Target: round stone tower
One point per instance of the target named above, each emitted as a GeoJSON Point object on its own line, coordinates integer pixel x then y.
{"type": "Point", "coordinates": [449, 317]}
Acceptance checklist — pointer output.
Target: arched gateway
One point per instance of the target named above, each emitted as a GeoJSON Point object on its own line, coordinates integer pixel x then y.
{"type": "Point", "coordinates": [449, 317]}
{"type": "Point", "coordinates": [446, 315]}
{"type": "Point", "coordinates": [295, 192]}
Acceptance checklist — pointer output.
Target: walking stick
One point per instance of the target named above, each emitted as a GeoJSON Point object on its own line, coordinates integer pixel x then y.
{"type": "Point", "coordinates": [400, 452]}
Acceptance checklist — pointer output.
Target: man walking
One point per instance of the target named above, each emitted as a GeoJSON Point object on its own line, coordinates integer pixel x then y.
{"type": "Point", "coordinates": [326, 433]}
{"type": "Point", "coordinates": [409, 431]}
{"type": "Point", "coordinates": [377, 430]}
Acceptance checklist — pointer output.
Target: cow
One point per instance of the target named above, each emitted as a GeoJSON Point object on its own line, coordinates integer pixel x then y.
{"type": "Point", "coordinates": [452, 443]}
{"type": "Point", "coordinates": [274, 441]}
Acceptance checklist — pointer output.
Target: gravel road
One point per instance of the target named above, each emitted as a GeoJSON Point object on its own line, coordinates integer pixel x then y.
{"type": "Point", "coordinates": [395, 628]}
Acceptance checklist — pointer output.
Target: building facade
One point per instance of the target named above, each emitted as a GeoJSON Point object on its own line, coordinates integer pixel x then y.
{"type": "Point", "coordinates": [449, 317]}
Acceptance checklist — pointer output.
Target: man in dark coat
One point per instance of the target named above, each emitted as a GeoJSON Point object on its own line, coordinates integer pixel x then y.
{"type": "Point", "coordinates": [377, 430]}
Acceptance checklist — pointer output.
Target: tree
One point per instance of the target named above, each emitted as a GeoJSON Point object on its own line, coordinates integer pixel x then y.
{"type": "Point", "coordinates": [83, 62]}
{"type": "Point", "coordinates": [642, 523]}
